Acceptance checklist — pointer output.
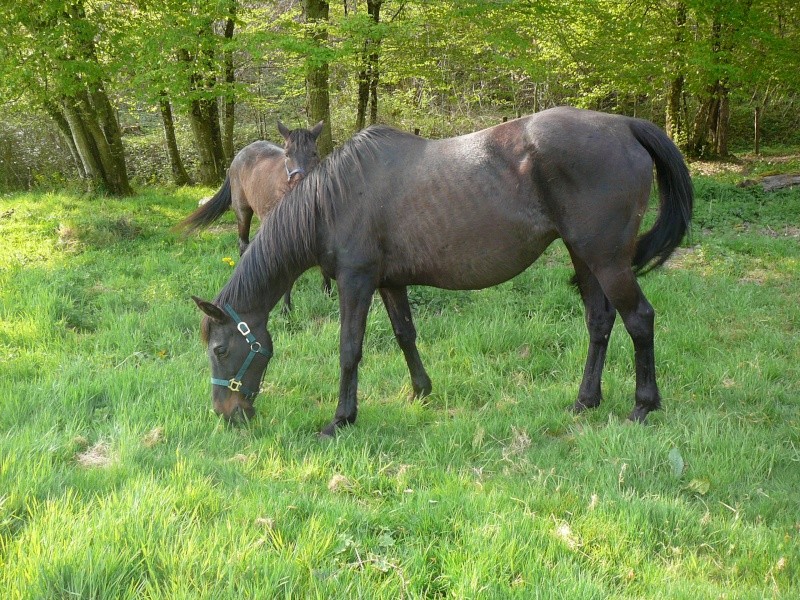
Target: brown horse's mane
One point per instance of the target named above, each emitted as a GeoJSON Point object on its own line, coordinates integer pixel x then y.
{"type": "Point", "coordinates": [287, 239]}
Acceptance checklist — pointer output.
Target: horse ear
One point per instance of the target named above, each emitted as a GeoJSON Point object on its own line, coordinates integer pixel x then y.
{"type": "Point", "coordinates": [317, 129]}
{"type": "Point", "coordinates": [284, 130]}
{"type": "Point", "coordinates": [212, 310]}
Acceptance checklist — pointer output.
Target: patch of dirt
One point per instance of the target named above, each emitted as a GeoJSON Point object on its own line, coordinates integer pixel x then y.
{"type": "Point", "coordinates": [98, 456]}
{"type": "Point", "coordinates": [153, 437]}
{"type": "Point", "coordinates": [340, 483]}
{"type": "Point", "coordinates": [718, 167]}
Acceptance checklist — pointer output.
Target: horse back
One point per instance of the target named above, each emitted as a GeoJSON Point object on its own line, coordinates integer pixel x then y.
{"type": "Point", "coordinates": [258, 177]}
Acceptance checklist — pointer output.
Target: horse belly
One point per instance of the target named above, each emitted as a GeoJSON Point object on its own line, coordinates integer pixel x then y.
{"type": "Point", "coordinates": [468, 254]}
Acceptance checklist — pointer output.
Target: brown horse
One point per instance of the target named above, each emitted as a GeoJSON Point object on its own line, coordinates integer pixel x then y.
{"type": "Point", "coordinates": [259, 176]}
{"type": "Point", "coordinates": [389, 209]}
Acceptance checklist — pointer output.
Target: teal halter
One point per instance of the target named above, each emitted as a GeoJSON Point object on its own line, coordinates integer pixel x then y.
{"type": "Point", "coordinates": [235, 384]}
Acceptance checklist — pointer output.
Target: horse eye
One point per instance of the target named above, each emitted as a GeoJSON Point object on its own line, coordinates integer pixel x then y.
{"type": "Point", "coordinates": [221, 351]}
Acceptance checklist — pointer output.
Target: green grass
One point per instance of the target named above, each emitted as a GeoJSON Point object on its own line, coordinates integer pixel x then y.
{"type": "Point", "coordinates": [116, 480]}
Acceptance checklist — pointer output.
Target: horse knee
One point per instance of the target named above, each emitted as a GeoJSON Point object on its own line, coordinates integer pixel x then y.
{"type": "Point", "coordinates": [600, 325]}
{"type": "Point", "coordinates": [350, 355]}
{"type": "Point", "coordinates": [406, 337]}
{"type": "Point", "coordinates": [640, 323]}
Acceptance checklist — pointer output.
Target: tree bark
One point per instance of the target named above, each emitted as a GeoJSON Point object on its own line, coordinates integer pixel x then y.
{"type": "Point", "coordinates": [318, 98]}
{"type": "Point", "coordinates": [63, 126]}
{"type": "Point", "coordinates": [675, 125]}
{"type": "Point", "coordinates": [204, 140]}
{"type": "Point", "coordinates": [368, 75]}
{"type": "Point", "coordinates": [112, 140]}
{"type": "Point", "coordinates": [204, 121]}
{"type": "Point", "coordinates": [230, 98]}
{"type": "Point", "coordinates": [84, 143]}
{"type": "Point", "coordinates": [721, 127]}
{"type": "Point", "coordinates": [179, 174]}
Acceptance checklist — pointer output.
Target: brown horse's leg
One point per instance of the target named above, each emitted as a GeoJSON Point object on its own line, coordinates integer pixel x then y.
{"type": "Point", "coordinates": [244, 215]}
{"type": "Point", "coordinates": [396, 302]}
{"type": "Point", "coordinates": [622, 289]}
{"type": "Point", "coordinates": [355, 295]}
{"type": "Point", "coordinates": [287, 301]}
{"type": "Point", "coordinates": [326, 285]}
{"type": "Point", "coordinates": [600, 316]}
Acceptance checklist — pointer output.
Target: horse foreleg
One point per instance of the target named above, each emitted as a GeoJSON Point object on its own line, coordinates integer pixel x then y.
{"type": "Point", "coordinates": [600, 316]}
{"type": "Point", "coordinates": [355, 295]}
{"type": "Point", "coordinates": [396, 302]}
{"type": "Point", "coordinates": [623, 290]}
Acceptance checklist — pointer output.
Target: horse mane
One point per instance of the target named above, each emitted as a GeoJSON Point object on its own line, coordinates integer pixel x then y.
{"type": "Point", "coordinates": [287, 238]}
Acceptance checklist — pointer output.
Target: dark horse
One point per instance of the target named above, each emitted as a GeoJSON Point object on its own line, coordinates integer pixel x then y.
{"type": "Point", "coordinates": [389, 209]}
{"type": "Point", "coordinates": [259, 176]}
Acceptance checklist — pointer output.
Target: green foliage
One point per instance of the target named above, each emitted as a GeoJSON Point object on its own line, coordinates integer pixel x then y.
{"type": "Point", "coordinates": [117, 481]}
{"type": "Point", "coordinates": [445, 67]}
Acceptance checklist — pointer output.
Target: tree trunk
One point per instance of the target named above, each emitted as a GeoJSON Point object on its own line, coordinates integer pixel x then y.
{"type": "Point", "coordinates": [675, 125]}
{"type": "Point", "coordinates": [757, 130]}
{"type": "Point", "coordinates": [674, 120]}
{"type": "Point", "coordinates": [84, 143]}
{"type": "Point", "coordinates": [204, 141]}
{"type": "Point", "coordinates": [368, 75]}
{"type": "Point", "coordinates": [204, 120]}
{"type": "Point", "coordinates": [316, 11]}
{"type": "Point", "coordinates": [230, 98]}
{"type": "Point", "coordinates": [723, 121]}
{"type": "Point", "coordinates": [179, 174]}
{"type": "Point", "coordinates": [114, 176]}
{"type": "Point", "coordinates": [63, 126]}
{"type": "Point", "coordinates": [112, 138]}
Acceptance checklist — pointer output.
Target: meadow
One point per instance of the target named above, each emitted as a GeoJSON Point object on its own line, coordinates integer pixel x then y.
{"type": "Point", "coordinates": [118, 481]}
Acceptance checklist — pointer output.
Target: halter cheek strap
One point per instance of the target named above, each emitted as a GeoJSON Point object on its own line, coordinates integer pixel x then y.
{"type": "Point", "coordinates": [235, 384]}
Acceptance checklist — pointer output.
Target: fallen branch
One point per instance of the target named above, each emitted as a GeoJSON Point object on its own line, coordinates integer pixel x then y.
{"type": "Point", "coordinates": [772, 183]}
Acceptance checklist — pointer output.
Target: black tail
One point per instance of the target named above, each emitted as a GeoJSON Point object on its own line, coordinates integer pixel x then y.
{"type": "Point", "coordinates": [677, 198]}
{"type": "Point", "coordinates": [208, 212]}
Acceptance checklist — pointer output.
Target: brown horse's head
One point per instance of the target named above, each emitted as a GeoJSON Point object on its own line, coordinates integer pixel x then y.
{"type": "Point", "coordinates": [300, 151]}
{"type": "Point", "coordinates": [239, 351]}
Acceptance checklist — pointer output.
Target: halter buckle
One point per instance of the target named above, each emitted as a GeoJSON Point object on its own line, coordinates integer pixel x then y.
{"type": "Point", "coordinates": [234, 385]}
{"type": "Point", "coordinates": [243, 328]}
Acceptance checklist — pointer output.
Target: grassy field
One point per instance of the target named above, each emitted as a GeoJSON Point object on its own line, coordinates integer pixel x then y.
{"type": "Point", "coordinates": [117, 481]}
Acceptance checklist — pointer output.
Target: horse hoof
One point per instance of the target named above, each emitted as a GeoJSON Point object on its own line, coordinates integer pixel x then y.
{"type": "Point", "coordinates": [328, 432]}
{"type": "Point", "coordinates": [639, 414]}
{"type": "Point", "coordinates": [580, 406]}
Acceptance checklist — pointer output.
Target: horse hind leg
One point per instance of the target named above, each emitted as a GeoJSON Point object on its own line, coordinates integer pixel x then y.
{"type": "Point", "coordinates": [396, 302]}
{"type": "Point", "coordinates": [620, 286]}
{"type": "Point", "coordinates": [600, 316]}
{"type": "Point", "coordinates": [244, 216]}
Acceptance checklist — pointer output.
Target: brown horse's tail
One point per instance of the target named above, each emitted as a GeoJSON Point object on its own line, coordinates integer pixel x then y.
{"type": "Point", "coordinates": [654, 247]}
{"type": "Point", "coordinates": [208, 212]}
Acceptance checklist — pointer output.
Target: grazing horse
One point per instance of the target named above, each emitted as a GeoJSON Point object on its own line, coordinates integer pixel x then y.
{"type": "Point", "coordinates": [259, 176]}
{"type": "Point", "coordinates": [389, 209]}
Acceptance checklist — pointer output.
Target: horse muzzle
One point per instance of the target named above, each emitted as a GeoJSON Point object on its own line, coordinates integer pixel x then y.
{"type": "Point", "coordinates": [234, 407]}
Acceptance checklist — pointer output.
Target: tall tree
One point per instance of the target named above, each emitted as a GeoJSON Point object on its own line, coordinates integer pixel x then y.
{"type": "Point", "coordinates": [318, 94]}
{"type": "Point", "coordinates": [179, 174]}
{"type": "Point", "coordinates": [64, 75]}
{"type": "Point", "coordinates": [368, 75]}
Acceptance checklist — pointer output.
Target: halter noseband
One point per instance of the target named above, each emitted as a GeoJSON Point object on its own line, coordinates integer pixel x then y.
{"type": "Point", "coordinates": [235, 384]}
{"type": "Point", "coordinates": [293, 172]}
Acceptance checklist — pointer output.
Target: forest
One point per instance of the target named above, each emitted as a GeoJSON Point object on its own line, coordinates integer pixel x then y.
{"type": "Point", "coordinates": [106, 96]}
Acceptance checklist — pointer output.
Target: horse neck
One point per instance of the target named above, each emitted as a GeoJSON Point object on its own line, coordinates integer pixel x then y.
{"type": "Point", "coordinates": [282, 251]}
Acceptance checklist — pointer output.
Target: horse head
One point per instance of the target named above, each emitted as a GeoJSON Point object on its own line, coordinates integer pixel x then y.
{"type": "Point", "coordinates": [239, 351]}
{"type": "Point", "coordinates": [300, 151]}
